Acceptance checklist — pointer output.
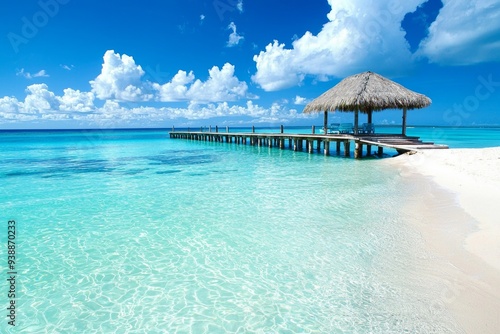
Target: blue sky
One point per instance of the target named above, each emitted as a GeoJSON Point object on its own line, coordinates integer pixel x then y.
{"type": "Point", "coordinates": [156, 63]}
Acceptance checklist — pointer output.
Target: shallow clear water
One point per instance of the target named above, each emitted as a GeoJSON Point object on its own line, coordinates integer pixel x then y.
{"type": "Point", "coordinates": [132, 232]}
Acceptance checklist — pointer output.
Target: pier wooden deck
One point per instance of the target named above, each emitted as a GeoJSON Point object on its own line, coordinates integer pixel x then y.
{"type": "Point", "coordinates": [314, 142]}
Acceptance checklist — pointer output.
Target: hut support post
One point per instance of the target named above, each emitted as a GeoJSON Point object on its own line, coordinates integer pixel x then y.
{"type": "Point", "coordinates": [370, 114]}
{"type": "Point", "coordinates": [404, 123]}
{"type": "Point", "coordinates": [356, 121]}
{"type": "Point", "coordinates": [325, 122]}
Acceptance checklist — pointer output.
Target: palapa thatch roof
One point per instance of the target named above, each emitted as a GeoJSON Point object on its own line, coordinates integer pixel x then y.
{"type": "Point", "coordinates": [367, 92]}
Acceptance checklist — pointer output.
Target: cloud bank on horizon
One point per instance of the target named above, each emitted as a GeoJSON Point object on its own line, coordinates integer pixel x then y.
{"type": "Point", "coordinates": [359, 34]}
{"type": "Point", "coordinates": [122, 81]}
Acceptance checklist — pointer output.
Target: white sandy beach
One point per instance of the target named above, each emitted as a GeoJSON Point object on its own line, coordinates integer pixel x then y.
{"type": "Point", "coordinates": [459, 219]}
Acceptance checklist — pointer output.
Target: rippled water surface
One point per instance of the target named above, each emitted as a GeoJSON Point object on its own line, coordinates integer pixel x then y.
{"type": "Point", "coordinates": [132, 232]}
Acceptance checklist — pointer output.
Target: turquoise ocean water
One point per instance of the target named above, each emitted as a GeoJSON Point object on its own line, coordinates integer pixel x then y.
{"type": "Point", "coordinates": [128, 231]}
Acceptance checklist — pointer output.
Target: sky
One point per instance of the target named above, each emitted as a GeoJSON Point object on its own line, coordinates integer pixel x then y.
{"type": "Point", "coordinates": [188, 63]}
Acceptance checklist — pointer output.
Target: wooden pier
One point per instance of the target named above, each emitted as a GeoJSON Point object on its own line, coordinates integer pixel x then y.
{"type": "Point", "coordinates": [363, 143]}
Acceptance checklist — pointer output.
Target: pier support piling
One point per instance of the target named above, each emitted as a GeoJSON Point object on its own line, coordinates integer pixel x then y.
{"type": "Point", "coordinates": [358, 150]}
{"type": "Point", "coordinates": [347, 148]}
{"type": "Point", "coordinates": [327, 148]}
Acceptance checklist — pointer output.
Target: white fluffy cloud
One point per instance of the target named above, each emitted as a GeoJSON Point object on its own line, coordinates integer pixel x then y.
{"type": "Point", "coordinates": [9, 105]}
{"type": "Point", "coordinates": [208, 99]}
{"type": "Point", "coordinates": [367, 35]}
{"type": "Point", "coordinates": [465, 32]}
{"type": "Point", "coordinates": [40, 99]}
{"type": "Point", "coordinates": [122, 84]}
{"type": "Point", "coordinates": [176, 89]}
{"type": "Point", "coordinates": [113, 113]}
{"type": "Point", "coordinates": [276, 68]}
{"type": "Point", "coordinates": [276, 113]}
{"type": "Point", "coordinates": [222, 85]}
{"type": "Point", "coordinates": [120, 79]}
{"type": "Point", "coordinates": [234, 38]}
{"type": "Point", "coordinates": [43, 105]}
{"type": "Point", "coordinates": [360, 35]}
{"type": "Point", "coordinates": [74, 100]}
{"type": "Point", "coordinates": [299, 100]}
{"type": "Point", "coordinates": [11, 109]}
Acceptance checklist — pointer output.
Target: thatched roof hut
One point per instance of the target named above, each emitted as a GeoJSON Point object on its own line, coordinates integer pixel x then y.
{"type": "Point", "coordinates": [367, 92]}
